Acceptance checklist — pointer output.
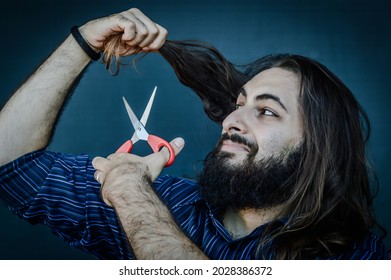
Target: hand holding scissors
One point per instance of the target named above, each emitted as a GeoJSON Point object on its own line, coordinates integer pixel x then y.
{"type": "Point", "coordinates": [155, 142]}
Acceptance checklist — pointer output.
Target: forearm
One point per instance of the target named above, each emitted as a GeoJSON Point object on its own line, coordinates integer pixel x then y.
{"type": "Point", "coordinates": [149, 226]}
{"type": "Point", "coordinates": [27, 120]}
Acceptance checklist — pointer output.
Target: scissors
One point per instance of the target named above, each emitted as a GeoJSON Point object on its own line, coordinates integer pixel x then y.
{"type": "Point", "coordinates": [155, 142]}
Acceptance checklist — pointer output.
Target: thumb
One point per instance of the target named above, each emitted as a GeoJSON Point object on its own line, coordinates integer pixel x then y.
{"type": "Point", "coordinates": [160, 159]}
{"type": "Point", "coordinates": [177, 145]}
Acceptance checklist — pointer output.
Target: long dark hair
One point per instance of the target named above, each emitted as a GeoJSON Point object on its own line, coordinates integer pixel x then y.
{"type": "Point", "coordinates": [332, 202]}
{"type": "Point", "coordinates": [197, 65]}
{"type": "Point", "coordinates": [331, 207]}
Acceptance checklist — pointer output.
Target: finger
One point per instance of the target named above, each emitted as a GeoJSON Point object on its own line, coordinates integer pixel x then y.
{"type": "Point", "coordinates": [138, 29]}
{"type": "Point", "coordinates": [177, 144]}
{"type": "Point", "coordinates": [153, 30]}
{"type": "Point", "coordinates": [98, 175]}
{"type": "Point", "coordinates": [161, 158]}
{"type": "Point", "coordinates": [159, 41]}
{"type": "Point", "coordinates": [127, 26]}
{"type": "Point", "coordinates": [99, 163]}
{"type": "Point", "coordinates": [95, 32]}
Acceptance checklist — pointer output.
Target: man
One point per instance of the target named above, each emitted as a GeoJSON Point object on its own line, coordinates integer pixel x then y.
{"type": "Point", "coordinates": [287, 180]}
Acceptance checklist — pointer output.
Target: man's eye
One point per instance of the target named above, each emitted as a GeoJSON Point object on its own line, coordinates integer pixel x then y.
{"type": "Point", "coordinates": [266, 112]}
{"type": "Point", "coordinates": [237, 106]}
{"type": "Point", "coordinates": [269, 113]}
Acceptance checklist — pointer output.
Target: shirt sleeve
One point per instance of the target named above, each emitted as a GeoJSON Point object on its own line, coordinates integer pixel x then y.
{"type": "Point", "coordinates": [59, 190]}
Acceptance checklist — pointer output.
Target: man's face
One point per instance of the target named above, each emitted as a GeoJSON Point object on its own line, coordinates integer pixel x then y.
{"type": "Point", "coordinates": [255, 162]}
{"type": "Point", "coordinates": [267, 115]}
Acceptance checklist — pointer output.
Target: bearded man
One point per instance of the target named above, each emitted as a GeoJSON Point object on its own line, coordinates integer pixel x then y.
{"type": "Point", "coordinates": [287, 180]}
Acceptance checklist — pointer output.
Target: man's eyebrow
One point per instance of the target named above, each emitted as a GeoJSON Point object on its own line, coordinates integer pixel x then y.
{"type": "Point", "coordinates": [266, 96]}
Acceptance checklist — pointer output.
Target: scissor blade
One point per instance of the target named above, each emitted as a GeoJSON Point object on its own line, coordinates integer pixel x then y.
{"type": "Point", "coordinates": [144, 117]}
{"type": "Point", "coordinates": [140, 132]}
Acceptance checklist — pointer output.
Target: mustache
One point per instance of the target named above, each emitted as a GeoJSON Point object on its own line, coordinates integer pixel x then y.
{"type": "Point", "coordinates": [237, 138]}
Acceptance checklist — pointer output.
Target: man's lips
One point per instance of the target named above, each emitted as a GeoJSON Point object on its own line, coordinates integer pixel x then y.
{"type": "Point", "coordinates": [230, 146]}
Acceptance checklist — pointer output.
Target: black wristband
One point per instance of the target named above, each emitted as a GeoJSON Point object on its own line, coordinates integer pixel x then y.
{"type": "Point", "coordinates": [83, 44]}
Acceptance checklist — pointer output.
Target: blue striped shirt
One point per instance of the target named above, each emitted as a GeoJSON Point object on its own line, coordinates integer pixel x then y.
{"type": "Point", "coordinates": [59, 190]}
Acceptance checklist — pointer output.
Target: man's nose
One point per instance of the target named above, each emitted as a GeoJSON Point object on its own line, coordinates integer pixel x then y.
{"type": "Point", "coordinates": [234, 122]}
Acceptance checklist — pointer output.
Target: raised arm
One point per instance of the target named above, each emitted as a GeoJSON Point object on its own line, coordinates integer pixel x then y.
{"type": "Point", "coordinates": [28, 118]}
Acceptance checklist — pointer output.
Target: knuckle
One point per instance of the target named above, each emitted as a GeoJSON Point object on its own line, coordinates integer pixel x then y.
{"type": "Point", "coordinates": [130, 24]}
{"type": "Point", "coordinates": [164, 32]}
{"type": "Point", "coordinates": [126, 21]}
{"type": "Point", "coordinates": [122, 17]}
{"type": "Point", "coordinates": [154, 31]}
{"type": "Point", "coordinates": [143, 32]}
{"type": "Point", "coordinates": [134, 10]}
{"type": "Point", "coordinates": [97, 162]}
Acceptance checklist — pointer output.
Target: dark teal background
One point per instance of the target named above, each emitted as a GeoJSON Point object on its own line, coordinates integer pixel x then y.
{"type": "Point", "coordinates": [351, 37]}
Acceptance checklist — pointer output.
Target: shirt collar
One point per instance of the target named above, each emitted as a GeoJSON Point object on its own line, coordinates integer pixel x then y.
{"type": "Point", "coordinates": [213, 213]}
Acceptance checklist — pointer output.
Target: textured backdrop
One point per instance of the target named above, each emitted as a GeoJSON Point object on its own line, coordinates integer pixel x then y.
{"type": "Point", "coordinates": [352, 38]}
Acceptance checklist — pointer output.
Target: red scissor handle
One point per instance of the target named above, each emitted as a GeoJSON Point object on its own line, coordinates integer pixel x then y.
{"type": "Point", "coordinates": [126, 147]}
{"type": "Point", "coordinates": [156, 143]}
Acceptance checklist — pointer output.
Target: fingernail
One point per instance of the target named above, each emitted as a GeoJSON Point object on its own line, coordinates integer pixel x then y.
{"type": "Point", "coordinates": [179, 142]}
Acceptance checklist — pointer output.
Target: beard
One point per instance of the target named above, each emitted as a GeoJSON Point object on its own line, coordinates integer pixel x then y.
{"type": "Point", "coordinates": [251, 184]}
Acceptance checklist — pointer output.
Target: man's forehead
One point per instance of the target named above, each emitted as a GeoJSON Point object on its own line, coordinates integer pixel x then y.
{"type": "Point", "coordinates": [276, 80]}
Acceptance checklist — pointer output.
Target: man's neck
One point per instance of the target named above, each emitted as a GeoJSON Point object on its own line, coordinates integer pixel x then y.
{"type": "Point", "coordinates": [240, 223]}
